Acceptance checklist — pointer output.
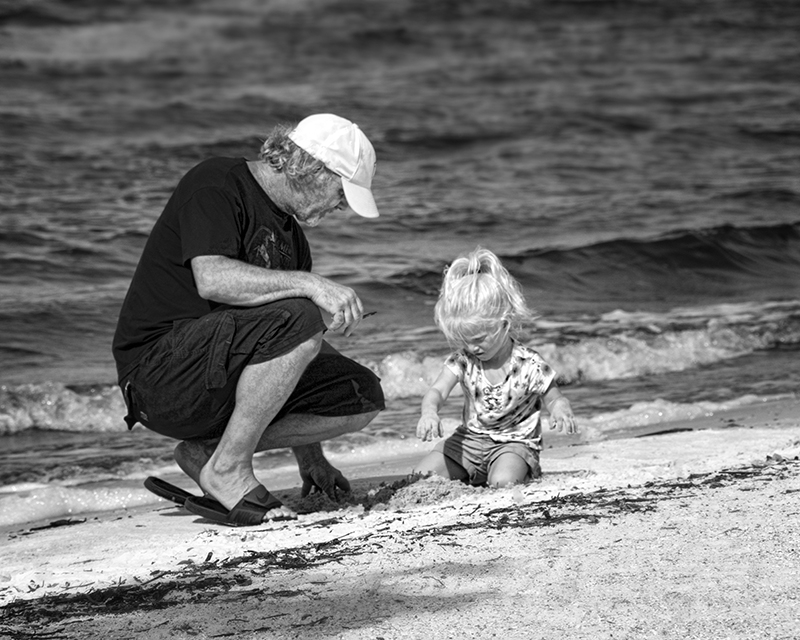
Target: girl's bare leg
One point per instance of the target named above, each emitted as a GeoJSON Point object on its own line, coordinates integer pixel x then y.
{"type": "Point", "coordinates": [508, 469]}
{"type": "Point", "coordinates": [439, 464]}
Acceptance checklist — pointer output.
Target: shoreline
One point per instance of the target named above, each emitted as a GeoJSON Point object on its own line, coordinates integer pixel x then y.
{"type": "Point", "coordinates": [704, 515]}
{"type": "Point", "coordinates": [29, 505]}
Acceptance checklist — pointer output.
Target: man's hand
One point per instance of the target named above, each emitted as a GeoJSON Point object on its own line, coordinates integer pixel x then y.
{"type": "Point", "coordinates": [341, 302]}
{"type": "Point", "coordinates": [230, 281]}
{"type": "Point", "coordinates": [319, 474]}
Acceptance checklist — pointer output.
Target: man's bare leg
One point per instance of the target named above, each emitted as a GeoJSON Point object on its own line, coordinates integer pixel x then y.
{"type": "Point", "coordinates": [300, 432]}
{"type": "Point", "coordinates": [223, 467]}
{"type": "Point", "coordinates": [260, 393]}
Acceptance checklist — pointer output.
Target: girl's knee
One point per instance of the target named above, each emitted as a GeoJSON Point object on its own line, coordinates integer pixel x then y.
{"type": "Point", "coordinates": [508, 470]}
{"type": "Point", "coordinates": [431, 463]}
{"type": "Point", "coordinates": [505, 479]}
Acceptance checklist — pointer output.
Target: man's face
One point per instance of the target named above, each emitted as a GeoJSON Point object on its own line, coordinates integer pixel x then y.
{"type": "Point", "coordinates": [324, 197]}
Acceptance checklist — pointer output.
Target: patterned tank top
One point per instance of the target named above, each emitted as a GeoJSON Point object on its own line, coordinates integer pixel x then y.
{"type": "Point", "coordinates": [508, 411]}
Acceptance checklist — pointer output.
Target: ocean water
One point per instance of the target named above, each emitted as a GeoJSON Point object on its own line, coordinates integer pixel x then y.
{"type": "Point", "coordinates": [635, 164]}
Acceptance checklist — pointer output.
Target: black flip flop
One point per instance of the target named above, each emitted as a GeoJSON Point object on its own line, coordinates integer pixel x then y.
{"type": "Point", "coordinates": [164, 489]}
{"type": "Point", "coordinates": [249, 511]}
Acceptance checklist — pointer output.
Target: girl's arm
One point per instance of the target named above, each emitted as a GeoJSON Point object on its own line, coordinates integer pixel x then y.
{"type": "Point", "coordinates": [560, 410]}
{"type": "Point", "coordinates": [429, 424]}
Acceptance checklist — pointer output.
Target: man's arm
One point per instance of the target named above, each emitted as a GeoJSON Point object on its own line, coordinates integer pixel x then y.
{"type": "Point", "coordinates": [238, 283]}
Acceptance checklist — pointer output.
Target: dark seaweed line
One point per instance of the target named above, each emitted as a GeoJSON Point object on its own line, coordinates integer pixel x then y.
{"type": "Point", "coordinates": [203, 582]}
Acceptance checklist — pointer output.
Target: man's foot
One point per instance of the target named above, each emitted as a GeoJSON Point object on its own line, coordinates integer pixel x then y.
{"type": "Point", "coordinates": [226, 490]}
{"type": "Point", "coordinates": [192, 456]}
{"type": "Point", "coordinates": [256, 507]}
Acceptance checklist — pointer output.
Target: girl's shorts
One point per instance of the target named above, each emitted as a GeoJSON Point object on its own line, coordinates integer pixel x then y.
{"type": "Point", "coordinates": [476, 453]}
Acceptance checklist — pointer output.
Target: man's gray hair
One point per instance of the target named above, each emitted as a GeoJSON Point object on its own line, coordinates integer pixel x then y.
{"type": "Point", "coordinates": [284, 156]}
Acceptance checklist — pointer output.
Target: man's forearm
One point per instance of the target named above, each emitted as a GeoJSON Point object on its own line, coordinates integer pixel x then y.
{"type": "Point", "coordinates": [233, 282]}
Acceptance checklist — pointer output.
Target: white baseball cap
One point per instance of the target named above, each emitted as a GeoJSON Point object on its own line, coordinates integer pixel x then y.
{"type": "Point", "coordinates": [345, 150]}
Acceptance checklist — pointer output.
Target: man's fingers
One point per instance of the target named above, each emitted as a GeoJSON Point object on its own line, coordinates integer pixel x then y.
{"type": "Point", "coordinates": [329, 486]}
{"type": "Point", "coordinates": [343, 483]}
{"type": "Point", "coordinates": [354, 318]}
{"type": "Point", "coordinates": [337, 320]}
{"type": "Point", "coordinates": [347, 319]}
{"type": "Point", "coordinates": [338, 483]}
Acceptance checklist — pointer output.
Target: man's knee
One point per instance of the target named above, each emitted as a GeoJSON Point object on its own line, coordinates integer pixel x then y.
{"type": "Point", "coordinates": [309, 349]}
{"type": "Point", "coordinates": [293, 361]}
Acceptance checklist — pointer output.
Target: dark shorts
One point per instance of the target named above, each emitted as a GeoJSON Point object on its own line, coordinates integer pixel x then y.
{"type": "Point", "coordinates": [477, 453]}
{"type": "Point", "coordinates": [185, 385]}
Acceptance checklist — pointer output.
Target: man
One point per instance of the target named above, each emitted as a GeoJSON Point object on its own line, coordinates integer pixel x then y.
{"type": "Point", "coordinates": [219, 341]}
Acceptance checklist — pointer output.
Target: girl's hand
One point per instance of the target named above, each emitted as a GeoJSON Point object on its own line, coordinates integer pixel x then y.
{"type": "Point", "coordinates": [561, 417]}
{"type": "Point", "coordinates": [429, 426]}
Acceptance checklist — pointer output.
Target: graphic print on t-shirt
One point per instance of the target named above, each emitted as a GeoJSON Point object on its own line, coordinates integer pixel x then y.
{"type": "Point", "coordinates": [269, 250]}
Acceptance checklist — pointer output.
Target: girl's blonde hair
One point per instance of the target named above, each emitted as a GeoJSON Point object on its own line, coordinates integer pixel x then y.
{"type": "Point", "coordinates": [478, 292]}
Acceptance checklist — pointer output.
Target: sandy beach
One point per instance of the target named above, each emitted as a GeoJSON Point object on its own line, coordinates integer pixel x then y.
{"type": "Point", "coordinates": [693, 533]}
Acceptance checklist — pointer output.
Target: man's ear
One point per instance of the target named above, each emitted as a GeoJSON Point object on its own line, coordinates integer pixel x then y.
{"type": "Point", "coordinates": [326, 177]}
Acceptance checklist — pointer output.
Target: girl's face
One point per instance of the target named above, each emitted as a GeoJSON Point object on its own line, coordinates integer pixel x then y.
{"type": "Point", "coordinates": [488, 342]}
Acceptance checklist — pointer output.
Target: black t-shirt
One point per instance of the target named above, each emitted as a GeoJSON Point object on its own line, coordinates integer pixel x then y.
{"type": "Point", "coordinates": [218, 208]}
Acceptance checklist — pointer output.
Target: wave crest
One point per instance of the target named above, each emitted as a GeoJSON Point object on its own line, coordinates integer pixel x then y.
{"type": "Point", "coordinates": [616, 345]}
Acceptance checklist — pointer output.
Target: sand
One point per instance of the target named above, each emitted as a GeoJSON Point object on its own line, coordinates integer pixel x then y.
{"type": "Point", "coordinates": [693, 533]}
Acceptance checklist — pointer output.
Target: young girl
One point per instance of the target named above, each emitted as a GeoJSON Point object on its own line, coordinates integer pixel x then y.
{"type": "Point", "coordinates": [479, 311]}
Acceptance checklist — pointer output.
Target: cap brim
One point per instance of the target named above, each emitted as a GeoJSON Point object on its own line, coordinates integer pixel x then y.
{"type": "Point", "coordinates": [360, 199]}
